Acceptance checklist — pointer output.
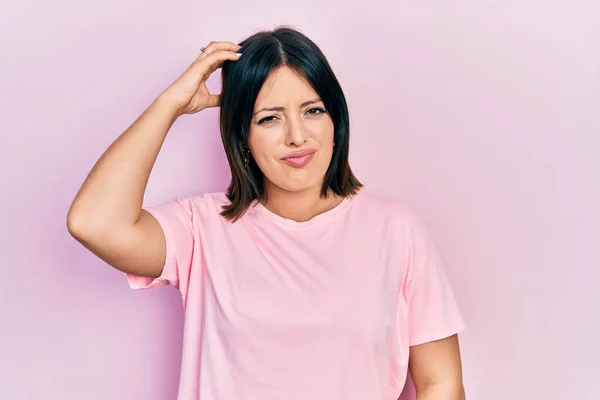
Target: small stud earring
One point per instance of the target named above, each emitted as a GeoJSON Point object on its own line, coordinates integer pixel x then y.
{"type": "Point", "coordinates": [246, 157]}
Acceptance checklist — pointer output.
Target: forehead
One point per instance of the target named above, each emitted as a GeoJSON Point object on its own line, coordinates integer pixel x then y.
{"type": "Point", "coordinates": [284, 86]}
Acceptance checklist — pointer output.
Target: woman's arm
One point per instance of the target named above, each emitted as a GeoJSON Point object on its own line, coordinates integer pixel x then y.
{"type": "Point", "coordinates": [106, 216]}
{"type": "Point", "coordinates": [436, 370]}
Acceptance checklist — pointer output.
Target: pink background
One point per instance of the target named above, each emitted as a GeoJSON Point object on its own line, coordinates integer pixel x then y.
{"type": "Point", "coordinates": [482, 115]}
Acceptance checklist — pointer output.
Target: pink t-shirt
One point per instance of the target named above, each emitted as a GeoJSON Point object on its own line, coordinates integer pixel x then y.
{"type": "Point", "coordinates": [321, 310]}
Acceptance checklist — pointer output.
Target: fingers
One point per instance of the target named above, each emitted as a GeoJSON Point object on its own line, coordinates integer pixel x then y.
{"type": "Point", "coordinates": [213, 57]}
{"type": "Point", "coordinates": [218, 46]}
{"type": "Point", "coordinates": [215, 66]}
{"type": "Point", "coordinates": [214, 60]}
{"type": "Point", "coordinates": [214, 100]}
{"type": "Point", "coordinates": [218, 57]}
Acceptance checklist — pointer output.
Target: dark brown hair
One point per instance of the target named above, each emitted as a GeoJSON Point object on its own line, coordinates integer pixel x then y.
{"type": "Point", "coordinates": [243, 79]}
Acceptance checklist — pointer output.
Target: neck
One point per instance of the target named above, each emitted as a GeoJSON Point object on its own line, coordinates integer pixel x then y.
{"type": "Point", "coordinates": [299, 206]}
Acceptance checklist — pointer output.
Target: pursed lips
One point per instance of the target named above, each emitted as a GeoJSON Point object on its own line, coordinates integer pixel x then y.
{"type": "Point", "coordinates": [299, 159]}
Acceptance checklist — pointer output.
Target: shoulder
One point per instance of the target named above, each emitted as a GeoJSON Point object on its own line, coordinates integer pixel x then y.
{"type": "Point", "coordinates": [211, 199]}
{"type": "Point", "coordinates": [202, 205]}
{"type": "Point", "coordinates": [381, 208]}
{"type": "Point", "coordinates": [385, 216]}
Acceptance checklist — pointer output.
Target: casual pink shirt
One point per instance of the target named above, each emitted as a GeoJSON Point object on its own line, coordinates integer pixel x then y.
{"type": "Point", "coordinates": [321, 310]}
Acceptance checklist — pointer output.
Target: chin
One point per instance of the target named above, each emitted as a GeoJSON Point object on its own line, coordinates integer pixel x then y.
{"type": "Point", "coordinates": [297, 188]}
{"type": "Point", "coordinates": [296, 185]}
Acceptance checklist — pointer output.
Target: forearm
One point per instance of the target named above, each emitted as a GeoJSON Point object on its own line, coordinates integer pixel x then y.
{"type": "Point", "coordinates": [441, 392]}
{"type": "Point", "coordinates": [114, 189]}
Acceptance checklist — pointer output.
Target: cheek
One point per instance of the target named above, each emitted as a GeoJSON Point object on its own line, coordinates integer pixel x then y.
{"type": "Point", "coordinates": [324, 128]}
{"type": "Point", "coordinates": [262, 146]}
{"type": "Point", "coordinates": [325, 135]}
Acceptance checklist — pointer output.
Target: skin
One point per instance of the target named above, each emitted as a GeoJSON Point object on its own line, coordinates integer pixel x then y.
{"type": "Point", "coordinates": [294, 193]}
{"type": "Point", "coordinates": [289, 116]}
{"type": "Point", "coordinates": [107, 216]}
{"type": "Point", "coordinates": [436, 370]}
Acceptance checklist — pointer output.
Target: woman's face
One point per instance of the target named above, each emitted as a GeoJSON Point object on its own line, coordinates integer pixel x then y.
{"type": "Point", "coordinates": [291, 135]}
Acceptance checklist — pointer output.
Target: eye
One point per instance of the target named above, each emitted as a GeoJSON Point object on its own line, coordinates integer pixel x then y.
{"type": "Point", "coordinates": [316, 111]}
{"type": "Point", "coordinates": [266, 120]}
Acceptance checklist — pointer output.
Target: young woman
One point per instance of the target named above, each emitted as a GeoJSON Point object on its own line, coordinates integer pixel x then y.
{"type": "Point", "coordinates": [295, 283]}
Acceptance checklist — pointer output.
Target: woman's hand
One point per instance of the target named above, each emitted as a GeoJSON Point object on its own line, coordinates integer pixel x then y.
{"type": "Point", "coordinates": [189, 94]}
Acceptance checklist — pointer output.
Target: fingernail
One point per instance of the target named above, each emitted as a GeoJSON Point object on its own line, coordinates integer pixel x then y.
{"type": "Point", "coordinates": [239, 54]}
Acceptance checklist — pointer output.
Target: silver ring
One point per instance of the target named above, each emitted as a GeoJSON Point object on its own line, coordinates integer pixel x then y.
{"type": "Point", "coordinates": [202, 50]}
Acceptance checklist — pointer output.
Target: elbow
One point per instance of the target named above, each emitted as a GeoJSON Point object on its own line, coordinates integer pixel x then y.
{"type": "Point", "coordinates": [83, 223]}
{"type": "Point", "coordinates": [74, 221]}
{"type": "Point", "coordinates": [76, 225]}
{"type": "Point", "coordinates": [80, 227]}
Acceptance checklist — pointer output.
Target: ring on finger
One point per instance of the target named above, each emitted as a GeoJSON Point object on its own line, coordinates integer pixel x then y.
{"type": "Point", "coordinates": [203, 50]}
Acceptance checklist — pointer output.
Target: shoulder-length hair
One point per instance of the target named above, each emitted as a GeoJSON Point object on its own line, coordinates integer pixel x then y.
{"type": "Point", "coordinates": [242, 80]}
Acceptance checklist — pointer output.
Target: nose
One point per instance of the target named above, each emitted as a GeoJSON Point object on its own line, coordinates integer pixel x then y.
{"type": "Point", "coordinates": [295, 132]}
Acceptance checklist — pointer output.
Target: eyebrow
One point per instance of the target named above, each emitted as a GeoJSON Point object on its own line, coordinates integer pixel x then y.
{"type": "Point", "coordinates": [306, 103]}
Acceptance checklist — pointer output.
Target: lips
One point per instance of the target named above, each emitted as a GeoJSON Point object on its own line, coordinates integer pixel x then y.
{"type": "Point", "coordinates": [298, 154]}
{"type": "Point", "coordinates": [298, 159]}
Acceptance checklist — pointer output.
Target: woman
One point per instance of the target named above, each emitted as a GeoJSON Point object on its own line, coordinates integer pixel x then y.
{"type": "Point", "coordinates": [295, 283]}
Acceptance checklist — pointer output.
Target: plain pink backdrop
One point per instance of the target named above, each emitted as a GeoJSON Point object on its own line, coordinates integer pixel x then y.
{"type": "Point", "coordinates": [483, 115]}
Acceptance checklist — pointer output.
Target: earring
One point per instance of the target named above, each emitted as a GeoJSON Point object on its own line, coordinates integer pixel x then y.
{"type": "Point", "coordinates": [246, 157]}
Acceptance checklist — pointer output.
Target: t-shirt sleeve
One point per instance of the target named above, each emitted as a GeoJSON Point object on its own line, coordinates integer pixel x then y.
{"type": "Point", "coordinates": [176, 220]}
{"type": "Point", "coordinates": [433, 312]}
